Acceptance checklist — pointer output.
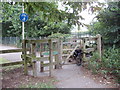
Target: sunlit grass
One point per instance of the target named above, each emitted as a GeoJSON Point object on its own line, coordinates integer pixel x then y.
{"type": "Point", "coordinates": [2, 60]}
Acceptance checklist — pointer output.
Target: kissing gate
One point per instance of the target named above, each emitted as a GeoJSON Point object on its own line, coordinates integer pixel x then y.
{"type": "Point", "coordinates": [54, 53]}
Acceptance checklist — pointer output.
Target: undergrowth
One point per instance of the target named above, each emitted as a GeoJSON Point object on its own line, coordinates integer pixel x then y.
{"type": "Point", "coordinates": [109, 64]}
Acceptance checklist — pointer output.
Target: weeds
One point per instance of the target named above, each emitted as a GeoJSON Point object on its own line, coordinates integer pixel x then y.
{"type": "Point", "coordinates": [110, 63]}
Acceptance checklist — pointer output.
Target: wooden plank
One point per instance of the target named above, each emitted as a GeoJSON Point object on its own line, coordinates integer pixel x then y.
{"type": "Point", "coordinates": [72, 52]}
{"type": "Point", "coordinates": [41, 50]}
{"type": "Point", "coordinates": [65, 55]}
{"type": "Point", "coordinates": [34, 65]}
{"type": "Point", "coordinates": [42, 58]}
{"type": "Point", "coordinates": [99, 45]}
{"type": "Point", "coordinates": [11, 63]}
{"type": "Point", "coordinates": [71, 43]}
{"type": "Point", "coordinates": [60, 50]}
{"type": "Point", "coordinates": [84, 48]}
{"type": "Point", "coordinates": [57, 62]}
{"type": "Point", "coordinates": [48, 64]}
{"type": "Point", "coordinates": [24, 57]}
{"type": "Point", "coordinates": [38, 58]}
{"type": "Point", "coordinates": [50, 57]}
{"type": "Point", "coordinates": [33, 49]}
{"type": "Point", "coordinates": [58, 57]}
{"type": "Point", "coordinates": [67, 49]}
{"type": "Point", "coordinates": [10, 51]}
{"type": "Point", "coordinates": [38, 41]}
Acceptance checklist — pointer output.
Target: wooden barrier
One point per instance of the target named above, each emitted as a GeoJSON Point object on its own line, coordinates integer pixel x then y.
{"type": "Point", "coordinates": [54, 59]}
{"type": "Point", "coordinates": [82, 42]}
{"type": "Point", "coordinates": [12, 51]}
{"type": "Point", "coordinates": [11, 63]}
{"type": "Point", "coordinates": [32, 56]}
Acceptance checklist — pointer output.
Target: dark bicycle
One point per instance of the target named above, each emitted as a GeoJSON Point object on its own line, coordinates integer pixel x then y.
{"type": "Point", "coordinates": [78, 54]}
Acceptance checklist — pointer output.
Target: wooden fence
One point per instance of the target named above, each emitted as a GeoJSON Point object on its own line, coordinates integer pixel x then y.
{"type": "Point", "coordinates": [33, 58]}
{"type": "Point", "coordinates": [54, 54]}
{"type": "Point", "coordinates": [11, 51]}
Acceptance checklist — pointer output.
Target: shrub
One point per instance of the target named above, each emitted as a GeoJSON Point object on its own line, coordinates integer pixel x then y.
{"type": "Point", "coordinates": [110, 63]}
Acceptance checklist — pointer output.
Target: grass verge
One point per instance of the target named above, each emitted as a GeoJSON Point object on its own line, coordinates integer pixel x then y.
{"type": "Point", "coordinates": [2, 60]}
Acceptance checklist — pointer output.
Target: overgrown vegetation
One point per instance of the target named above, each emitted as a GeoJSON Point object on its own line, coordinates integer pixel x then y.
{"type": "Point", "coordinates": [38, 85]}
{"type": "Point", "coordinates": [108, 24]}
{"type": "Point", "coordinates": [109, 65]}
{"type": "Point", "coordinates": [8, 68]}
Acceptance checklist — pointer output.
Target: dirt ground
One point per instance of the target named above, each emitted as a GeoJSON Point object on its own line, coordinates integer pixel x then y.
{"type": "Point", "coordinates": [15, 79]}
{"type": "Point", "coordinates": [70, 76]}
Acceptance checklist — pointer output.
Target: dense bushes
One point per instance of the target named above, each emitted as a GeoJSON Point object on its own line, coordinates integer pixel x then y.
{"type": "Point", "coordinates": [110, 63]}
{"type": "Point", "coordinates": [108, 25]}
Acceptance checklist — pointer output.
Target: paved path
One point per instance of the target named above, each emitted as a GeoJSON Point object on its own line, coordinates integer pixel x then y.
{"type": "Point", "coordinates": [72, 76]}
{"type": "Point", "coordinates": [10, 56]}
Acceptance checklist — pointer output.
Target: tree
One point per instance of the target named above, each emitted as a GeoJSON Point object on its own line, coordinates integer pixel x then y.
{"type": "Point", "coordinates": [42, 21]}
{"type": "Point", "coordinates": [108, 24]}
{"type": "Point", "coordinates": [46, 13]}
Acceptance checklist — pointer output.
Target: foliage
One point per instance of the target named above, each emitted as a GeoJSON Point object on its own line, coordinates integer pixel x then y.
{"type": "Point", "coordinates": [10, 19]}
{"type": "Point", "coordinates": [8, 68]}
{"type": "Point", "coordinates": [44, 18]}
{"type": "Point", "coordinates": [108, 24]}
{"type": "Point", "coordinates": [41, 28]}
{"type": "Point", "coordinates": [40, 22]}
{"type": "Point", "coordinates": [111, 59]}
{"type": "Point", "coordinates": [110, 63]}
{"type": "Point", "coordinates": [94, 63]}
{"type": "Point", "coordinates": [59, 35]}
{"type": "Point", "coordinates": [73, 10]}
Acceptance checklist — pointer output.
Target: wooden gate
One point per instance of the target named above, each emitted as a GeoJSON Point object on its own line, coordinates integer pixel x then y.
{"type": "Point", "coordinates": [36, 53]}
{"type": "Point", "coordinates": [70, 46]}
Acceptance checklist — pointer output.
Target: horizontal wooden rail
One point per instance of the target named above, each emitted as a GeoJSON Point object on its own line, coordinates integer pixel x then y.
{"type": "Point", "coordinates": [11, 51]}
{"type": "Point", "coordinates": [71, 43]}
{"type": "Point", "coordinates": [67, 49]}
{"type": "Point", "coordinates": [38, 58]}
{"type": "Point", "coordinates": [65, 55]}
{"type": "Point", "coordinates": [47, 64]}
{"type": "Point", "coordinates": [41, 41]}
{"type": "Point", "coordinates": [11, 63]}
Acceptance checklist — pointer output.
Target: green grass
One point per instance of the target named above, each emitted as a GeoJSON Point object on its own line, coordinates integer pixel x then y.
{"type": "Point", "coordinates": [2, 60]}
{"type": "Point", "coordinates": [38, 85]}
{"type": "Point", "coordinates": [8, 68]}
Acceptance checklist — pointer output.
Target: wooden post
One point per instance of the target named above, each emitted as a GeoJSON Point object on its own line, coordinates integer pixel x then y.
{"type": "Point", "coordinates": [57, 66]}
{"type": "Point", "coordinates": [84, 48]}
{"type": "Point", "coordinates": [99, 45]}
{"type": "Point", "coordinates": [34, 68]}
{"type": "Point", "coordinates": [50, 57]}
{"type": "Point", "coordinates": [24, 57]}
{"type": "Point", "coordinates": [33, 49]}
{"type": "Point", "coordinates": [60, 51]}
{"type": "Point", "coordinates": [57, 60]}
{"type": "Point", "coordinates": [41, 63]}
